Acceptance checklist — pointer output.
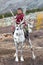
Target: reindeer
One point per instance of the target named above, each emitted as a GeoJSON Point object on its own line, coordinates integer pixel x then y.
{"type": "Point", "coordinates": [19, 38]}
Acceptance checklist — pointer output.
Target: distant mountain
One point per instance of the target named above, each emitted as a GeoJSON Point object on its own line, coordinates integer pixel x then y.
{"type": "Point", "coordinates": [5, 5]}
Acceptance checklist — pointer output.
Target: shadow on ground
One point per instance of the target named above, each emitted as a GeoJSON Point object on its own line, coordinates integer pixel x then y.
{"type": "Point", "coordinates": [28, 61]}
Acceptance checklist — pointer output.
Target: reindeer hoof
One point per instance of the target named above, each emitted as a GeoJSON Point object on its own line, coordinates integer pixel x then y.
{"type": "Point", "coordinates": [16, 59]}
{"type": "Point", "coordinates": [34, 57]}
{"type": "Point", "coordinates": [22, 59]}
{"type": "Point", "coordinates": [15, 55]}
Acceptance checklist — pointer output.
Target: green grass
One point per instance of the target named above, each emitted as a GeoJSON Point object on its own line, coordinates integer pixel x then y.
{"type": "Point", "coordinates": [33, 10]}
{"type": "Point", "coordinates": [27, 12]}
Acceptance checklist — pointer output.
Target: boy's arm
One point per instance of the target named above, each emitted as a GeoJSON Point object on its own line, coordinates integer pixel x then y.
{"type": "Point", "coordinates": [25, 22]}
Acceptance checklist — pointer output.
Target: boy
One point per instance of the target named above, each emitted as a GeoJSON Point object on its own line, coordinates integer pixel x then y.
{"type": "Point", "coordinates": [19, 18]}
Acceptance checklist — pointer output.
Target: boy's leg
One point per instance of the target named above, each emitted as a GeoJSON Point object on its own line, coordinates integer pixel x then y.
{"type": "Point", "coordinates": [12, 29]}
{"type": "Point", "coordinates": [13, 33]}
{"type": "Point", "coordinates": [26, 33]}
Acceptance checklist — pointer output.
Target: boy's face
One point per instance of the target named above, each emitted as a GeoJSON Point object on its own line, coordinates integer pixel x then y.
{"type": "Point", "coordinates": [19, 11]}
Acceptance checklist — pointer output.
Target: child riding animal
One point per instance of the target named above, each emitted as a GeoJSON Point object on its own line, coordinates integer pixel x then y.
{"type": "Point", "coordinates": [19, 34]}
{"type": "Point", "coordinates": [19, 18]}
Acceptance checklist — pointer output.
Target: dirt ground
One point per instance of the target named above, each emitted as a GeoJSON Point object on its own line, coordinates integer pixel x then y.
{"type": "Point", "coordinates": [7, 48]}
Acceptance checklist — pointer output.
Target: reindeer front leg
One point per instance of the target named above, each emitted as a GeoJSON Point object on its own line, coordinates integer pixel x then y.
{"type": "Point", "coordinates": [16, 59]}
{"type": "Point", "coordinates": [21, 58]}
